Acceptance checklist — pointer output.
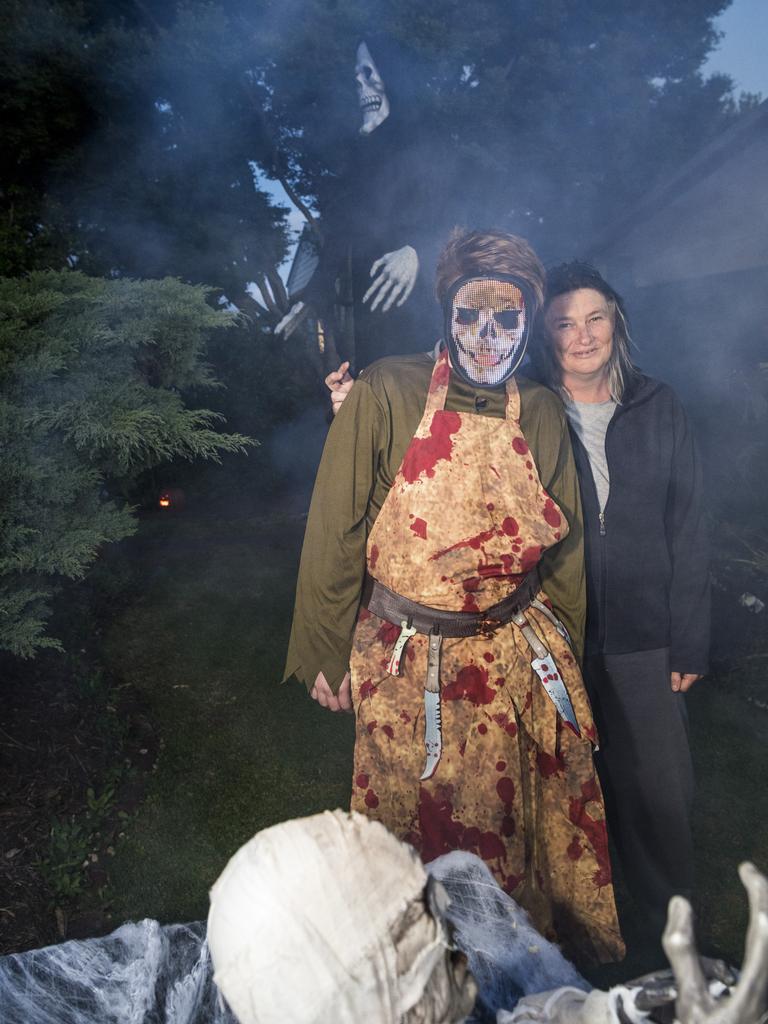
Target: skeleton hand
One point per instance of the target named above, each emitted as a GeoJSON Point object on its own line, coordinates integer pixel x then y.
{"type": "Point", "coordinates": [703, 991]}
{"type": "Point", "coordinates": [660, 988]}
{"type": "Point", "coordinates": [748, 1001]}
{"type": "Point", "coordinates": [397, 273]}
{"type": "Point", "coordinates": [339, 383]}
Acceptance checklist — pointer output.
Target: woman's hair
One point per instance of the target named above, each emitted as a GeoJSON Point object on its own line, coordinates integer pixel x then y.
{"type": "Point", "coordinates": [485, 253]}
{"type": "Point", "coordinates": [570, 277]}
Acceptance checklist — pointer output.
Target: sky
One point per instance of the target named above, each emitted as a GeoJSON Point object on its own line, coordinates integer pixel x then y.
{"type": "Point", "coordinates": [743, 52]}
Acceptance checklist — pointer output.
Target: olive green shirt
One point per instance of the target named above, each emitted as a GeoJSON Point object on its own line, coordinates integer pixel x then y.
{"type": "Point", "coordinates": [365, 446]}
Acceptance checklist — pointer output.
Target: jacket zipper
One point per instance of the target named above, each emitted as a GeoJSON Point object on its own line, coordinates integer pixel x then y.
{"type": "Point", "coordinates": [600, 552]}
{"type": "Point", "coordinates": [603, 533]}
{"type": "Point", "coordinates": [603, 598]}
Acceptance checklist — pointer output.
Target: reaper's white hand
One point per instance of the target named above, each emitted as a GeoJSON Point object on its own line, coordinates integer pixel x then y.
{"type": "Point", "coordinates": [339, 383]}
{"type": "Point", "coordinates": [326, 698]}
{"type": "Point", "coordinates": [394, 277]}
{"type": "Point", "coordinates": [291, 320]}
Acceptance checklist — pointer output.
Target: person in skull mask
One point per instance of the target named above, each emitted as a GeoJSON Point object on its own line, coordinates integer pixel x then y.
{"type": "Point", "coordinates": [442, 553]}
{"type": "Point", "coordinates": [383, 214]}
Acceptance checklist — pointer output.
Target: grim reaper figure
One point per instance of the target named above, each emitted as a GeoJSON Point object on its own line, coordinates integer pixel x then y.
{"type": "Point", "coordinates": [384, 217]}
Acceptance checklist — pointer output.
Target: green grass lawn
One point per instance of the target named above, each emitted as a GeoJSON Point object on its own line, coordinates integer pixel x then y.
{"type": "Point", "coordinates": [204, 641]}
{"type": "Point", "coordinates": [730, 740]}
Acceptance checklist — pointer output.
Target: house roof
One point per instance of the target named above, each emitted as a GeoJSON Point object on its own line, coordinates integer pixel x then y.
{"type": "Point", "coordinates": [711, 217]}
{"type": "Point", "coordinates": [305, 261]}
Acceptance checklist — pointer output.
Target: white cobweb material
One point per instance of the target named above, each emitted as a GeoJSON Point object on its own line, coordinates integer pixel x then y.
{"type": "Point", "coordinates": [142, 973]}
{"type": "Point", "coordinates": [146, 973]}
{"type": "Point", "coordinates": [507, 956]}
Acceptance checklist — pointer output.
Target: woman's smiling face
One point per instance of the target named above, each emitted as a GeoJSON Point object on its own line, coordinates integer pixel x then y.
{"type": "Point", "coordinates": [580, 326]}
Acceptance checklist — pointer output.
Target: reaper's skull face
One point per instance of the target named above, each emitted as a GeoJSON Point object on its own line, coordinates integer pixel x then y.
{"type": "Point", "coordinates": [370, 91]}
{"type": "Point", "coordinates": [488, 320]}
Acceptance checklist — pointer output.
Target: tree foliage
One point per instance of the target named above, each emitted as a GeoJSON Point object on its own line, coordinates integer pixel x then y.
{"type": "Point", "coordinates": [132, 127]}
{"type": "Point", "coordinates": [92, 377]}
{"type": "Point", "coordinates": [562, 114]}
{"type": "Point", "coordinates": [129, 145]}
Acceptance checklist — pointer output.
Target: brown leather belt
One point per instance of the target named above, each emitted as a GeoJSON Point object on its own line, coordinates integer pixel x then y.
{"type": "Point", "coordinates": [397, 609]}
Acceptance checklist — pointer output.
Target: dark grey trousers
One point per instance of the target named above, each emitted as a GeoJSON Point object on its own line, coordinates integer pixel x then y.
{"type": "Point", "coordinates": [645, 769]}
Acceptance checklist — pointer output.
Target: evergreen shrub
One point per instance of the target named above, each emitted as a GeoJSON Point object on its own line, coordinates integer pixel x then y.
{"type": "Point", "coordinates": [93, 379]}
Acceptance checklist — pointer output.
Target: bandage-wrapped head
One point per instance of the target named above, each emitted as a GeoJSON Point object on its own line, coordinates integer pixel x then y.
{"type": "Point", "coordinates": [330, 918]}
{"type": "Point", "coordinates": [487, 322]}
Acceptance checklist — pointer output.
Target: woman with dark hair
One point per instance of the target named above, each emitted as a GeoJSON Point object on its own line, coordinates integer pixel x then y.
{"type": "Point", "coordinates": [647, 636]}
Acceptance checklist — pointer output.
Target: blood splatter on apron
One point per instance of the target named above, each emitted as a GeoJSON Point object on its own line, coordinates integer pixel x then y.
{"type": "Point", "coordinates": [465, 520]}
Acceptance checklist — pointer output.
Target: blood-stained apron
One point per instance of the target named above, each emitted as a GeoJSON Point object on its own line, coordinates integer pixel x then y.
{"type": "Point", "coordinates": [465, 520]}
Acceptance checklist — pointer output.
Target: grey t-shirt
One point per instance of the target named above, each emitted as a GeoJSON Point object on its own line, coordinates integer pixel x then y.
{"type": "Point", "coordinates": [590, 421]}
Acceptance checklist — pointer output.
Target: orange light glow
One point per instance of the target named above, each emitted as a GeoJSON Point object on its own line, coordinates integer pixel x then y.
{"type": "Point", "coordinates": [165, 501]}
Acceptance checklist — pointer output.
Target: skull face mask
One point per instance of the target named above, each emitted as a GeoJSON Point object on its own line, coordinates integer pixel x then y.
{"type": "Point", "coordinates": [486, 328]}
{"type": "Point", "coordinates": [370, 91]}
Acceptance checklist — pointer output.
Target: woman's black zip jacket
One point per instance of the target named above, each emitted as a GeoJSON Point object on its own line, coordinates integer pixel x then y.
{"type": "Point", "coordinates": [647, 556]}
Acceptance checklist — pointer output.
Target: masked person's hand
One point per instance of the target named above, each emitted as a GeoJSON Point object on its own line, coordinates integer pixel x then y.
{"type": "Point", "coordinates": [339, 383]}
{"type": "Point", "coordinates": [326, 698]}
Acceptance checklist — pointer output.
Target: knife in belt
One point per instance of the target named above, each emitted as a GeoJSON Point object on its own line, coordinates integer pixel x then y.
{"type": "Point", "coordinates": [546, 669]}
{"type": "Point", "coordinates": [433, 738]}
